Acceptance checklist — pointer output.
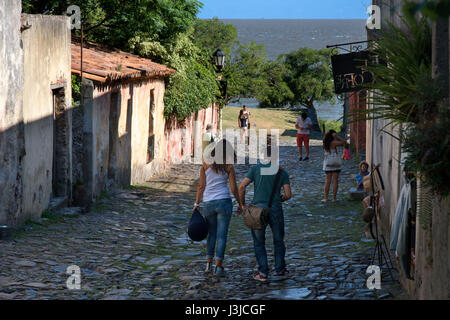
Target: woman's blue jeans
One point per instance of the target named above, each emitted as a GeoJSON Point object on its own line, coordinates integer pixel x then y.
{"type": "Point", "coordinates": [276, 223]}
{"type": "Point", "coordinates": [218, 214]}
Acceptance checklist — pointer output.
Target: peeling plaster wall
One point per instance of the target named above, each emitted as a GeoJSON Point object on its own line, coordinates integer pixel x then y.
{"type": "Point", "coordinates": [120, 154]}
{"type": "Point", "coordinates": [11, 115]}
{"type": "Point", "coordinates": [46, 47]}
{"type": "Point", "coordinates": [100, 129]}
{"type": "Point", "coordinates": [140, 170]}
{"type": "Point", "coordinates": [182, 136]}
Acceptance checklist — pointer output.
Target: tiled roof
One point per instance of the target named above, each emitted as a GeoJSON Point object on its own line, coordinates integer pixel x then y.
{"type": "Point", "coordinates": [108, 66]}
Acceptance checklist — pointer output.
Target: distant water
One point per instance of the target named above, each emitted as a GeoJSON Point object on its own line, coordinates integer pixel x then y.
{"type": "Point", "coordinates": [284, 36]}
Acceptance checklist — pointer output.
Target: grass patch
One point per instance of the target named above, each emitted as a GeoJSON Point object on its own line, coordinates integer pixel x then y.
{"type": "Point", "coordinates": [331, 125]}
{"type": "Point", "coordinates": [262, 118]}
{"type": "Point", "coordinates": [266, 118]}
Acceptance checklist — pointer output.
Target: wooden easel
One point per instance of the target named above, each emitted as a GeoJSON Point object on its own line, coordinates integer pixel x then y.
{"type": "Point", "coordinates": [380, 250]}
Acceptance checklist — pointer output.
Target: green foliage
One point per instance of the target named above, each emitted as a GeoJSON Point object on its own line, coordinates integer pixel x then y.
{"type": "Point", "coordinates": [194, 86]}
{"type": "Point", "coordinates": [428, 148]}
{"type": "Point", "coordinates": [245, 72]}
{"type": "Point", "coordinates": [406, 94]}
{"type": "Point", "coordinates": [157, 29]}
{"type": "Point", "coordinates": [309, 76]}
{"type": "Point", "coordinates": [187, 94]}
{"type": "Point", "coordinates": [331, 124]}
{"type": "Point", "coordinates": [302, 77]}
{"type": "Point", "coordinates": [404, 90]}
{"type": "Point", "coordinates": [212, 34]}
{"type": "Point", "coordinates": [274, 92]}
{"type": "Point", "coordinates": [168, 32]}
{"type": "Point", "coordinates": [117, 21]}
{"type": "Point", "coordinates": [431, 9]}
{"type": "Point", "coordinates": [76, 89]}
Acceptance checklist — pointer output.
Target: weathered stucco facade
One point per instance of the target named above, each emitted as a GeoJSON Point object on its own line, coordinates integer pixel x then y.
{"type": "Point", "coordinates": [34, 120]}
{"type": "Point", "coordinates": [46, 112]}
{"type": "Point", "coordinates": [431, 278]}
{"type": "Point", "coordinates": [183, 137]}
{"type": "Point", "coordinates": [123, 117]}
{"type": "Point", "coordinates": [11, 115]}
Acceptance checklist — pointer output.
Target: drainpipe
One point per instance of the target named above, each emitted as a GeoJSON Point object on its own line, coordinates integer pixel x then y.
{"type": "Point", "coordinates": [196, 133]}
{"type": "Point", "coordinates": [220, 121]}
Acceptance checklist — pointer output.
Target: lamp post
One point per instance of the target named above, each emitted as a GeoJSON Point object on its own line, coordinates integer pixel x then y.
{"type": "Point", "coordinates": [219, 62]}
{"type": "Point", "coordinates": [219, 59]}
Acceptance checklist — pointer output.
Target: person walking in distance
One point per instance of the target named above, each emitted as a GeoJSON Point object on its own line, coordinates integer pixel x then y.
{"type": "Point", "coordinates": [263, 186]}
{"type": "Point", "coordinates": [303, 125]}
{"type": "Point", "coordinates": [242, 121]}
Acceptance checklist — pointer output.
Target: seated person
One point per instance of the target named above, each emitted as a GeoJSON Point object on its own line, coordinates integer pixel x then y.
{"type": "Point", "coordinates": [363, 171]}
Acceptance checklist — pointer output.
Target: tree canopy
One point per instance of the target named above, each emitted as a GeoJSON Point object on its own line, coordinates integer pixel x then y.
{"type": "Point", "coordinates": [213, 34]}
{"type": "Point", "coordinates": [114, 22]}
{"type": "Point", "coordinates": [169, 32]}
{"type": "Point", "coordinates": [309, 76]}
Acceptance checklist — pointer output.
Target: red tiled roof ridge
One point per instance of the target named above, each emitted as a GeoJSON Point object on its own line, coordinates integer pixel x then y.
{"type": "Point", "coordinates": [107, 65]}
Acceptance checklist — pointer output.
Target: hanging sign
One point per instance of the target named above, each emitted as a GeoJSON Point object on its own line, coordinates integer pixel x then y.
{"type": "Point", "coordinates": [350, 71]}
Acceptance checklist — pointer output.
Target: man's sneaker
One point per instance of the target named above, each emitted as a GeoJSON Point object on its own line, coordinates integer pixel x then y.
{"type": "Point", "coordinates": [283, 275]}
{"type": "Point", "coordinates": [219, 272]}
{"type": "Point", "coordinates": [260, 277]}
{"type": "Point", "coordinates": [306, 159]}
{"type": "Point", "coordinates": [300, 159]}
{"type": "Point", "coordinates": [208, 268]}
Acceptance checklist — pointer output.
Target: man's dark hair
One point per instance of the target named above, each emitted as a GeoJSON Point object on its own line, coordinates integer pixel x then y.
{"type": "Point", "coordinates": [304, 115]}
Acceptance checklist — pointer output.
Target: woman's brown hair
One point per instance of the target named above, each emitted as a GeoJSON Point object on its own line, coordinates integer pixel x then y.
{"type": "Point", "coordinates": [327, 140]}
{"type": "Point", "coordinates": [228, 157]}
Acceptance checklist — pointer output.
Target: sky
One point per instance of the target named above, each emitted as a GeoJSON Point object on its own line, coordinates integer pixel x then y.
{"type": "Point", "coordinates": [284, 9]}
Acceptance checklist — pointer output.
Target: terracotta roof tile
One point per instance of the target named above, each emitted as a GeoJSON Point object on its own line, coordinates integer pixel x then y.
{"type": "Point", "coordinates": [109, 65]}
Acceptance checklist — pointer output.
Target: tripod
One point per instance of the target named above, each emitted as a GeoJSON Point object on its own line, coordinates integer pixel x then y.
{"type": "Point", "coordinates": [380, 251]}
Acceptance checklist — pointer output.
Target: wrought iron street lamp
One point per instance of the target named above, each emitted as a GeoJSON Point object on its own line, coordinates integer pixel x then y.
{"type": "Point", "coordinates": [219, 59]}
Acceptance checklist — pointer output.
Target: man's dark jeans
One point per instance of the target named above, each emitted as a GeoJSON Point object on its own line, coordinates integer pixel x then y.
{"type": "Point", "coordinates": [276, 223]}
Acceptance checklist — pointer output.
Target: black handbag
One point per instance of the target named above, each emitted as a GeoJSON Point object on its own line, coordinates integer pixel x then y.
{"type": "Point", "coordinates": [197, 227]}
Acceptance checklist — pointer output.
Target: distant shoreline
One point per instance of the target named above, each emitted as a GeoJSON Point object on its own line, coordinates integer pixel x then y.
{"type": "Point", "coordinates": [278, 19]}
{"type": "Point", "coordinates": [269, 19]}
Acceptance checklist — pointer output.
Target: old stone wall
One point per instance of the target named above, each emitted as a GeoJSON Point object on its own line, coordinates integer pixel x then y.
{"type": "Point", "coordinates": [11, 115]}
{"type": "Point", "coordinates": [77, 145]}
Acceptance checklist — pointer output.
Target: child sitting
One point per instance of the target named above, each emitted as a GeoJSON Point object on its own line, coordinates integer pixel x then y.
{"type": "Point", "coordinates": [363, 171]}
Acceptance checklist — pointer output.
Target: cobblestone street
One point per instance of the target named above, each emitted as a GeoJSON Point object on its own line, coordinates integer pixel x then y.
{"type": "Point", "coordinates": [133, 245]}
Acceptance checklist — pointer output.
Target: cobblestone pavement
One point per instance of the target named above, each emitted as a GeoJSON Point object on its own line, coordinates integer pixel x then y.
{"type": "Point", "coordinates": [133, 245]}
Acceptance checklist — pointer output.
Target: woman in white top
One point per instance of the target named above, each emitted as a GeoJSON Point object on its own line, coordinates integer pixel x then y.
{"type": "Point", "coordinates": [217, 205]}
{"type": "Point", "coordinates": [332, 162]}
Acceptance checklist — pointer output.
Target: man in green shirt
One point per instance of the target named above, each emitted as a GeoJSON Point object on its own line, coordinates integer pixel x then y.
{"type": "Point", "coordinates": [263, 189]}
